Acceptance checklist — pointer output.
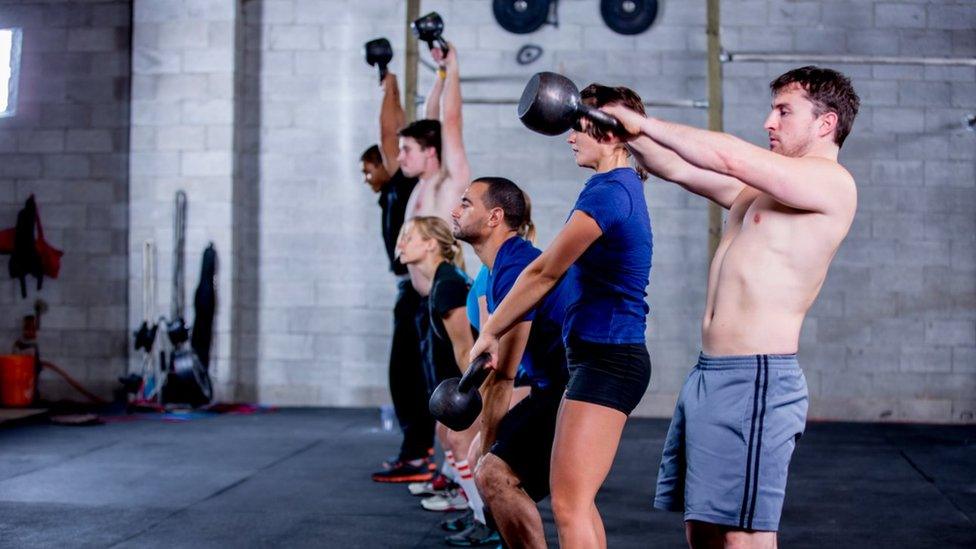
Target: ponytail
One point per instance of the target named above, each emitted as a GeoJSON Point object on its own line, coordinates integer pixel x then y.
{"type": "Point", "coordinates": [641, 172]}
{"type": "Point", "coordinates": [527, 228]}
{"type": "Point", "coordinates": [456, 255]}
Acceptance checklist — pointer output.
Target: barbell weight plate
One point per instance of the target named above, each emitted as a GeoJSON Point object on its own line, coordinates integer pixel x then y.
{"type": "Point", "coordinates": [628, 16]}
{"type": "Point", "coordinates": [521, 16]}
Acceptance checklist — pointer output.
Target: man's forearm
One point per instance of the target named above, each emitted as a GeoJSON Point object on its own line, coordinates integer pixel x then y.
{"type": "Point", "coordinates": [391, 112]}
{"type": "Point", "coordinates": [701, 148]}
{"type": "Point", "coordinates": [452, 95]}
{"type": "Point", "coordinates": [497, 396]}
{"type": "Point", "coordinates": [432, 106]}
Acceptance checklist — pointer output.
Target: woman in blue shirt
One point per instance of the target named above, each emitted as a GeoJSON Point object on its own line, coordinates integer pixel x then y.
{"type": "Point", "coordinates": [608, 238]}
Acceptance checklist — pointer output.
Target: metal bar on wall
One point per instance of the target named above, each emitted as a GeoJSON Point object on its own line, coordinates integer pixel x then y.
{"type": "Point", "coordinates": [688, 103]}
{"type": "Point", "coordinates": [733, 57]}
{"type": "Point", "coordinates": [410, 61]}
{"type": "Point", "coordinates": [715, 110]}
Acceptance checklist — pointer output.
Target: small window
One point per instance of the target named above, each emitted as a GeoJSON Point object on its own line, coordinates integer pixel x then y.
{"type": "Point", "coordinates": [9, 70]}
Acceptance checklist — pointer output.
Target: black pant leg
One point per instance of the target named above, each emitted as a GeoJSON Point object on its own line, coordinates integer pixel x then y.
{"type": "Point", "coordinates": [408, 385]}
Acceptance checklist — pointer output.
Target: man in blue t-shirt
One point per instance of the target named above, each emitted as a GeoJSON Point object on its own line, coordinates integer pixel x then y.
{"type": "Point", "coordinates": [514, 472]}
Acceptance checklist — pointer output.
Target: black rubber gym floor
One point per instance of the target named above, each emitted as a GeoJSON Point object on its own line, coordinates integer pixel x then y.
{"type": "Point", "coordinates": [300, 478]}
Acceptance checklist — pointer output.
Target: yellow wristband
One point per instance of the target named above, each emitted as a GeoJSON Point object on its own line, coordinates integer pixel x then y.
{"type": "Point", "coordinates": [441, 73]}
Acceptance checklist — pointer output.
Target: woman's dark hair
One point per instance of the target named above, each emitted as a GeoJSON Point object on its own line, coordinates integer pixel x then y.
{"type": "Point", "coordinates": [598, 95]}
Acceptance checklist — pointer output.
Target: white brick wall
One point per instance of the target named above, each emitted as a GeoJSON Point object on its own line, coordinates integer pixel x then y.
{"type": "Point", "coordinates": [65, 145]}
{"type": "Point", "coordinates": [261, 116]}
{"type": "Point", "coordinates": [182, 115]}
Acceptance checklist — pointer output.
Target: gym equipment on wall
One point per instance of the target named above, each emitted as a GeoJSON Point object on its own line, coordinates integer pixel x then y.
{"type": "Point", "coordinates": [521, 16]}
{"type": "Point", "coordinates": [628, 16]}
{"type": "Point", "coordinates": [187, 380]}
{"type": "Point", "coordinates": [528, 54]}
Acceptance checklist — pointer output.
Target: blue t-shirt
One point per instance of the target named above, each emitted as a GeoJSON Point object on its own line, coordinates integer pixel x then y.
{"type": "Point", "coordinates": [614, 271]}
{"type": "Point", "coordinates": [478, 289]}
{"type": "Point", "coordinates": [544, 360]}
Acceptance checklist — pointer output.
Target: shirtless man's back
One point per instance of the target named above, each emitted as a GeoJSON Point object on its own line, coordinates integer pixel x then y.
{"type": "Point", "coordinates": [744, 405]}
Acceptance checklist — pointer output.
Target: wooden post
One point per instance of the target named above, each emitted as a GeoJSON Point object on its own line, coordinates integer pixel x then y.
{"type": "Point", "coordinates": [410, 63]}
{"type": "Point", "coordinates": [715, 106]}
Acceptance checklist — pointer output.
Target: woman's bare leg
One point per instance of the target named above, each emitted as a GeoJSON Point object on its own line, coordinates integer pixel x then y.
{"type": "Point", "coordinates": [586, 441]}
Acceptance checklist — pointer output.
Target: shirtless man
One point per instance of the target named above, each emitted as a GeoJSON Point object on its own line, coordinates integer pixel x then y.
{"type": "Point", "coordinates": [433, 150]}
{"type": "Point", "coordinates": [744, 405]}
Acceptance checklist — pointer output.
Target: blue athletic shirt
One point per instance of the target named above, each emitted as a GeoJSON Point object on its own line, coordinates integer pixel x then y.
{"type": "Point", "coordinates": [544, 359]}
{"type": "Point", "coordinates": [614, 271]}
{"type": "Point", "coordinates": [478, 289]}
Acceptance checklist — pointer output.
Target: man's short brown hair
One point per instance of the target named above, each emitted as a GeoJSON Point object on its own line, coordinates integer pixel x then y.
{"type": "Point", "coordinates": [426, 132]}
{"type": "Point", "coordinates": [829, 90]}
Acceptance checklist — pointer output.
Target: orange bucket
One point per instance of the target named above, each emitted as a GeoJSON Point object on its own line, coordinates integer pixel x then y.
{"type": "Point", "coordinates": [16, 380]}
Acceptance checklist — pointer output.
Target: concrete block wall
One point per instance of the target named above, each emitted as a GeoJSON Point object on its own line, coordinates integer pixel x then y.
{"type": "Point", "coordinates": [892, 336]}
{"type": "Point", "coordinates": [184, 74]}
{"type": "Point", "coordinates": [901, 290]}
{"type": "Point", "coordinates": [325, 294]}
{"type": "Point", "coordinates": [68, 145]}
{"type": "Point", "coordinates": [308, 318]}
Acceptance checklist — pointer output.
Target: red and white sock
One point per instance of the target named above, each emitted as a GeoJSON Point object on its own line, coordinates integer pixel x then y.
{"type": "Point", "coordinates": [471, 490]}
{"type": "Point", "coordinates": [449, 469]}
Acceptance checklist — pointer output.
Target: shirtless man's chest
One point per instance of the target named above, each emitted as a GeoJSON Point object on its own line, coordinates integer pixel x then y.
{"type": "Point", "coordinates": [434, 197]}
{"type": "Point", "coordinates": [767, 270]}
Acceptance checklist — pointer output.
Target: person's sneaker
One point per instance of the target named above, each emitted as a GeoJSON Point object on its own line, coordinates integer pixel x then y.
{"type": "Point", "coordinates": [451, 500]}
{"type": "Point", "coordinates": [390, 462]}
{"type": "Point", "coordinates": [458, 524]}
{"type": "Point", "coordinates": [439, 484]}
{"type": "Point", "coordinates": [404, 472]}
{"type": "Point", "coordinates": [394, 460]}
{"type": "Point", "coordinates": [477, 534]}
{"type": "Point", "coordinates": [421, 489]}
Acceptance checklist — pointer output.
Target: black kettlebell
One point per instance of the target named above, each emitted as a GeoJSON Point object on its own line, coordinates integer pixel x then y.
{"type": "Point", "coordinates": [430, 29]}
{"type": "Point", "coordinates": [456, 402]}
{"type": "Point", "coordinates": [551, 104]}
{"type": "Point", "coordinates": [379, 53]}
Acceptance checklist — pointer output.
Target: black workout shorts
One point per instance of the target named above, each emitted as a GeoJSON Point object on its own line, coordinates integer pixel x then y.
{"type": "Point", "coordinates": [609, 374]}
{"type": "Point", "coordinates": [524, 439]}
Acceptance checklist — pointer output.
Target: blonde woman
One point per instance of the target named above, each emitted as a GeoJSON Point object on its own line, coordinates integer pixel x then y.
{"type": "Point", "coordinates": [427, 246]}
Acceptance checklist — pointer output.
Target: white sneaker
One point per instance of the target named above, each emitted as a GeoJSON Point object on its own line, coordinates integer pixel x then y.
{"type": "Point", "coordinates": [421, 488]}
{"type": "Point", "coordinates": [453, 500]}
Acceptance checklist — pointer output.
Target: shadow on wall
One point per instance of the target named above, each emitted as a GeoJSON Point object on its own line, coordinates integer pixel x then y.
{"type": "Point", "coordinates": [246, 211]}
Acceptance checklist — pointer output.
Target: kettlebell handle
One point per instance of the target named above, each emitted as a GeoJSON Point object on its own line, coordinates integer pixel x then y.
{"type": "Point", "coordinates": [476, 374]}
{"type": "Point", "coordinates": [602, 118]}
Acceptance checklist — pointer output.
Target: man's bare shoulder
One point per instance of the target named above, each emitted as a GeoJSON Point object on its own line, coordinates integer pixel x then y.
{"type": "Point", "coordinates": [831, 179]}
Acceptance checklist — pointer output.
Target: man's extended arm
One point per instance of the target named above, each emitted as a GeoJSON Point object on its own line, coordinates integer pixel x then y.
{"type": "Point", "coordinates": [497, 392]}
{"type": "Point", "coordinates": [806, 183]}
{"type": "Point", "coordinates": [432, 105]}
{"type": "Point", "coordinates": [454, 157]}
{"type": "Point", "coordinates": [666, 164]}
{"type": "Point", "coordinates": [391, 120]}
{"type": "Point", "coordinates": [537, 279]}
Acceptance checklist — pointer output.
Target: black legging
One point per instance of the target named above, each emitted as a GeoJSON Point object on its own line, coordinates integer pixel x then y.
{"type": "Point", "coordinates": [407, 382]}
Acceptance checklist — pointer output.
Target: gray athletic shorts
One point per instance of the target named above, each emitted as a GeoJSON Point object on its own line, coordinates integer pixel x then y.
{"type": "Point", "coordinates": [728, 449]}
